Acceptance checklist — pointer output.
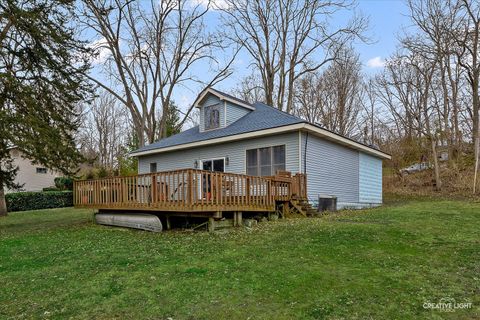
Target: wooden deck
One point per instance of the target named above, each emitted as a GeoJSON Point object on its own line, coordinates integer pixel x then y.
{"type": "Point", "coordinates": [189, 190]}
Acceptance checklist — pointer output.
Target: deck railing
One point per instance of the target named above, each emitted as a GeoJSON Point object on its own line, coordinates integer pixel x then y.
{"type": "Point", "coordinates": [188, 190]}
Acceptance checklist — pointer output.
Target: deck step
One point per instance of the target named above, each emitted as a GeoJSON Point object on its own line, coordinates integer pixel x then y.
{"type": "Point", "coordinates": [303, 207]}
{"type": "Point", "coordinates": [298, 208]}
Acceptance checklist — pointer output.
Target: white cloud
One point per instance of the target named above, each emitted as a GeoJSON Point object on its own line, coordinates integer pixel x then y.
{"type": "Point", "coordinates": [376, 62]}
{"type": "Point", "coordinates": [100, 48]}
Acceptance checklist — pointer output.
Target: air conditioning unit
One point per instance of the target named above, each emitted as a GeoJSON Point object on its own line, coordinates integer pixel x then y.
{"type": "Point", "coordinates": [327, 203]}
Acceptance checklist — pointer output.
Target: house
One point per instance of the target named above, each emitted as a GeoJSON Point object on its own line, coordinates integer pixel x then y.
{"type": "Point", "coordinates": [32, 177]}
{"type": "Point", "coordinates": [258, 140]}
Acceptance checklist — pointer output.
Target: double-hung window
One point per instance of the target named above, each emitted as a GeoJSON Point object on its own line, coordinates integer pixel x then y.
{"type": "Point", "coordinates": [265, 161]}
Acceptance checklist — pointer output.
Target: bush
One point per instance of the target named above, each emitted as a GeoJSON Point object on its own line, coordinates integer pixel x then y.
{"type": "Point", "coordinates": [64, 183]}
{"type": "Point", "coordinates": [51, 189]}
{"type": "Point", "coordinates": [22, 201]}
{"type": "Point", "coordinates": [102, 173]}
{"type": "Point", "coordinates": [90, 175]}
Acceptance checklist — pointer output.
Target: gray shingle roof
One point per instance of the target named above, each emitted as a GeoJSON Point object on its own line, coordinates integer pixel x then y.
{"type": "Point", "coordinates": [232, 97]}
{"type": "Point", "coordinates": [263, 117]}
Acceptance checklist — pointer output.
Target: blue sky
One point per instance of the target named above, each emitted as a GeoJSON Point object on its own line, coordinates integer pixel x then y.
{"type": "Point", "coordinates": [387, 20]}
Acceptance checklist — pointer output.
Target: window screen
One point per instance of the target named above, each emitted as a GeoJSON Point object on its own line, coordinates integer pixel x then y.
{"type": "Point", "coordinates": [265, 161]}
{"type": "Point", "coordinates": [252, 164]}
{"type": "Point", "coordinates": [153, 167]}
{"type": "Point", "coordinates": [212, 117]}
{"type": "Point", "coordinates": [278, 161]}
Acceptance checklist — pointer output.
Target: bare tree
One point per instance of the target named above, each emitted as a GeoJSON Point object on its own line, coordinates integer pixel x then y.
{"type": "Point", "coordinates": [438, 23]}
{"type": "Point", "coordinates": [250, 89]}
{"type": "Point", "coordinates": [333, 97]}
{"type": "Point", "coordinates": [370, 112]}
{"type": "Point", "coordinates": [307, 98]}
{"type": "Point", "coordinates": [408, 89]}
{"type": "Point", "coordinates": [467, 37]}
{"type": "Point", "coordinates": [451, 35]}
{"type": "Point", "coordinates": [288, 39]}
{"type": "Point", "coordinates": [150, 50]}
{"type": "Point", "coordinates": [103, 134]}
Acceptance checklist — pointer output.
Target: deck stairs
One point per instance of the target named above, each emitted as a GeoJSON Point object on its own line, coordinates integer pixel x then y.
{"type": "Point", "coordinates": [302, 207]}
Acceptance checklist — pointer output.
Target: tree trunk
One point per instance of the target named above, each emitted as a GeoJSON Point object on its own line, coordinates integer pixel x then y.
{"type": "Point", "coordinates": [3, 203]}
{"type": "Point", "coordinates": [476, 143]}
{"type": "Point", "coordinates": [476, 129]}
{"type": "Point", "coordinates": [476, 168]}
{"type": "Point", "coordinates": [438, 181]}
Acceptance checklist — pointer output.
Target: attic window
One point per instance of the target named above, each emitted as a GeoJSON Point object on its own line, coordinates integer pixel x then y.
{"type": "Point", "coordinates": [212, 117]}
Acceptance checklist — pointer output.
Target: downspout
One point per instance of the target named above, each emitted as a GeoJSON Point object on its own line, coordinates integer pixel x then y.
{"type": "Point", "coordinates": [305, 154]}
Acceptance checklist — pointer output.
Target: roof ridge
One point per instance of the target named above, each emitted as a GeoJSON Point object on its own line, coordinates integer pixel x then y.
{"type": "Point", "coordinates": [231, 96]}
{"type": "Point", "coordinates": [253, 104]}
{"type": "Point", "coordinates": [283, 112]}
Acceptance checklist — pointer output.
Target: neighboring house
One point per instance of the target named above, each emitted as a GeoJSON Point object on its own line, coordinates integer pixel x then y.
{"type": "Point", "coordinates": [255, 139]}
{"type": "Point", "coordinates": [34, 177]}
{"type": "Point", "coordinates": [442, 153]}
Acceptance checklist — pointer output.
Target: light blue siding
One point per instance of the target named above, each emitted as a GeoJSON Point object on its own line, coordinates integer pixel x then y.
{"type": "Point", "coordinates": [235, 151]}
{"type": "Point", "coordinates": [331, 169]}
{"type": "Point", "coordinates": [353, 177]}
{"type": "Point", "coordinates": [211, 99]}
{"type": "Point", "coordinates": [370, 179]}
{"type": "Point", "coordinates": [235, 112]}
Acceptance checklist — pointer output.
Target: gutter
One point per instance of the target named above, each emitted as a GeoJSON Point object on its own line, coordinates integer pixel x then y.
{"type": "Point", "coordinates": [304, 126]}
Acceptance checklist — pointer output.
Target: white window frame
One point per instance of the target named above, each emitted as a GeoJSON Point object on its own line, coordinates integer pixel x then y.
{"type": "Point", "coordinates": [271, 154]}
{"type": "Point", "coordinates": [150, 167]}
{"type": "Point", "coordinates": [212, 159]}
{"type": "Point", "coordinates": [219, 106]}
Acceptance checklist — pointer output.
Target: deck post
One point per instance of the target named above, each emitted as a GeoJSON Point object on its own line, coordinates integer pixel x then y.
{"type": "Point", "coordinates": [211, 224]}
{"type": "Point", "coordinates": [154, 189]}
{"type": "Point", "coordinates": [237, 218]}
{"type": "Point", "coordinates": [247, 190]}
{"type": "Point", "coordinates": [190, 188]}
{"type": "Point", "coordinates": [169, 224]}
{"type": "Point", "coordinates": [285, 209]}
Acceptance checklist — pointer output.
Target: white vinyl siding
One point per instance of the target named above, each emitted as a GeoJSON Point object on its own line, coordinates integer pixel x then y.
{"type": "Point", "coordinates": [235, 112]}
{"type": "Point", "coordinates": [370, 179]}
{"type": "Point", "coordinates": [235, 151]}
{"type": "Point", "coordinates": [354, 177]}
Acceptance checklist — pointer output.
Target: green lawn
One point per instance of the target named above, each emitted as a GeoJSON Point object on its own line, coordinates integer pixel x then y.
{"type": "Point", "coordinates": [374, 264]}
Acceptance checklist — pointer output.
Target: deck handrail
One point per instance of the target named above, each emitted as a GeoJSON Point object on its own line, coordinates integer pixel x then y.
{"type": "Point", "coordinates": [187, 190]}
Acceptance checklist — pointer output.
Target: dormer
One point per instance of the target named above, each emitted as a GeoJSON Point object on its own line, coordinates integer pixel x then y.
{"type": "Point", "coordinates": [219, 110]}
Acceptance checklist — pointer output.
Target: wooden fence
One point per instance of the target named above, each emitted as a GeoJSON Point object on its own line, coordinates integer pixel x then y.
{"type": "Point", "coordinates": [188, 190]}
